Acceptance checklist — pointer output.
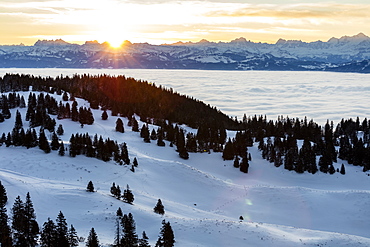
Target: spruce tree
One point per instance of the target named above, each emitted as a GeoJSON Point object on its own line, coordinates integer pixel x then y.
{"type": "Point", "coordinates": [342, 170]}
{"type": "Point", "coordinates": [92, 239]}
{"type": "Point", "coordinates": [61, 151]}
{"type": "Point", "coordinates": [60, 130]}
{"type": "Point", "coordinates": [65, 96]}
{"type": "Point", "coordinates": [159, 208]}
{"type": "Point", "coordinates": [143, 242]}
{"type": "Point", "coordinates": [31, 228]}
{"type": "Point", "coordinates": [166, 237]}
{"type": "Point", "coordinates": [135, 125]}
{"type": "Point", "coordinates": [54, 142]}
{"type": "Point", "coordinates": [72, 237]}
{"type": "Point", "coordinates": [119, 126]}
{"type": "Point", "coordinates": [144, 133]}
{"type": "Point", "coordinates": [160, 141]}
{"type": "Point", "coordinates": [90, 187]}
{"type": "Point", "coordinates": [236, 161]}
{"type": "Point", "coordinates": [113, 189]}
{"type": "Point", "coordinates": [43, 142]}
{"type": "Point", "coordinates": [119, 212]}
{"type": "Point", "coordinates": [18, 121]}
{"type": "Point", "coordinates": [128, 196]}
{"type": "Point", "coordinates": [130, 237]}
{"type": "Point", "coordinates": [244, 165]}
{"type": "Point", "coordinates": [183, 153]}
{"type": "Point", "coordinates": [153, 135]}
{"type": "Point", "coordinates": [3, 196]}
{"type": "Point", "coordinates": [135, 163]}
{"type": "Point", "coordinates": [62, 230]}
{"type": "Point", "coordinates": [49, 234]}
{"type": "Point", "coordinates": [5, 231]}
{"type": "Point", "coordinates": [104, 115]}
{"type": "Point", "coordinates": [18, 219]}
{"type": "Point", "coordinates": [124, 154]}
{"type": "Point", "coordinates": [228, 153]}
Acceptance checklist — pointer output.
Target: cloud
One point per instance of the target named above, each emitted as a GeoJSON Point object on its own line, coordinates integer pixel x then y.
{"type": "Point", "coordinates": [297, 11]}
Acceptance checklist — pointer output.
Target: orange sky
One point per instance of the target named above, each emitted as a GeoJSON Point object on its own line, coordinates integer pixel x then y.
{"type": "Point", "coordinates": [163, 21]}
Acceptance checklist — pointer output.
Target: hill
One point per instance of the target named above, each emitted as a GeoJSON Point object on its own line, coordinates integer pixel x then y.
{"type": "Point", "coordinates": [204, 196]}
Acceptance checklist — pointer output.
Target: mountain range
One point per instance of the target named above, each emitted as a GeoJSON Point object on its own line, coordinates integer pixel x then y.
{"type": "Point", "coordinates": [345, 54]}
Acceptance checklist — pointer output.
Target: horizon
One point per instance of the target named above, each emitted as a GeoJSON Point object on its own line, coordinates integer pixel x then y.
{"type": "Point", "coordinates": [167, 21]}
{"type": "Point", "coordinates": [172, 43]}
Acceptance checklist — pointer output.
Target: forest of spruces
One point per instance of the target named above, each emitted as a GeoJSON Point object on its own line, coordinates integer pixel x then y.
{"type": "Point", "coordinates": [297, 144]}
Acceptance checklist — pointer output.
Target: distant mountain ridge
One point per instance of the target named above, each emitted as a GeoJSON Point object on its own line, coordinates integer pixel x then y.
{"type": "Point", "coordinates": [345, 54]}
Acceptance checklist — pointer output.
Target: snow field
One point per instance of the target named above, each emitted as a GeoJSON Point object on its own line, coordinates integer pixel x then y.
{"type": "Point", "coordinates": [203, 196]}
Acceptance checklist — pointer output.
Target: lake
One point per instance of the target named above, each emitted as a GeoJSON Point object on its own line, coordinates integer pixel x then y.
{"type": "Point", "coordinates": [317, 95]}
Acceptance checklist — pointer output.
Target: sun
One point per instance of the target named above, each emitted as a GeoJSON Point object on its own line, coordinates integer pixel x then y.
{"type": "Point", "coordinates": [115, 43]}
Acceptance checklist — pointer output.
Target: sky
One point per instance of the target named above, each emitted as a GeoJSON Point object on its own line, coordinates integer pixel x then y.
{"type": "Point", "coordinates": [168, 21]}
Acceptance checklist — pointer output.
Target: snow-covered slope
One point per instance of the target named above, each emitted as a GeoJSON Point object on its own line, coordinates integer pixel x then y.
{"type": "Point", "coordinates": [238, 54]}
{"type": "Point", "coordinates": [203, 196]}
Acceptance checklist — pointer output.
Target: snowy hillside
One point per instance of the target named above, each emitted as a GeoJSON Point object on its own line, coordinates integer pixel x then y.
{"type": "Point", "coordinates": [337, 54]}
{"type": "Point", "coordinates": [203, 196]}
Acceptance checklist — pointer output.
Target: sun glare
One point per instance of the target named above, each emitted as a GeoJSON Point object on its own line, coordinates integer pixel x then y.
{"type": "Point", "coordinates": [115, 43]}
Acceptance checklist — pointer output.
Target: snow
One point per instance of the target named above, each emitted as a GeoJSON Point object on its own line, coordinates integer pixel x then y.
{"type": "Point", "coordinates": [203, 196]}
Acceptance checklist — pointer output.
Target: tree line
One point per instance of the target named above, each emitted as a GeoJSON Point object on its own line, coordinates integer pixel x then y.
{"type": "Point", "coordinates": [320, 146]}
{"type": "Point", "coordinates": [125, 96]}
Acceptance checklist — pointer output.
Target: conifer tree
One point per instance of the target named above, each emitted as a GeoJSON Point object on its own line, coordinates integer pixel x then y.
{"type": "Point", "coordinates": [153, 135]}
{"type": "Point", "coordinates": [72, 237]}
{"type": "Point", "coordinates": [65, 96]}
{"type": "Point", "coordinates": [8, 141]}
{"type": "Point", "coordinates": [166, 237]}
{"type": "Point", "coordinates": [18, 219]}
{"type": "Point", "coordinates": [144, 133]}
{"type": "Point", "coordinates": [49, 234]}
{"type": "Point", "coordinates": [135, 125]}
{"type": "Point", "coordinates": [31, 228]}
{"type": "Point", "coordinates": [5, 231]}
{"type": "Point", "coordinates": [124, 154]}
{"type": "Point", "coordinates": [74, 112]}
{"type": "Point", "coordinates": [104, 115]}
{"type": "Point", "coordinates": [54, 142]}
{"type": "Point", "coordinates": [331, 169]}
{"type": "Point", "coordinates": [61, 230]}
{"type": "Point", "coordinates": [119, 126]}
{"type": "Point", "coordinates": [342, 170]}
{"type": "Point", "coordinates": [143, 242]}
{"type": "Point", "coordinates": [92, 239]}
{"type": "Point", "coordinates": [61, 151]}
{"type": "Point", "coordinates": [135, 163]}
{"type": "Point", "coordinates": [160, 141]}
{"type": "Point", "coordinates": [18, 121]}
{"type": "Point", "coordinates": [129, 237]}
{"type": "Point", "coordinates": [60, 130]}
{"type": "Point", "coordinates": [113, 189]}
{"type": "Point", "coordinates": [159, 208]}
{"type": "Point", "coordinates": [90, 187]}
{"type": "Point", "coordinates": [183, 153]}
{"type": "Point", "coordinates": [116, 191]}
{"type": "Point", "coordinates": [43, 142]}
{"type": "Point", "coordinates": [119, 212]}
{"type": "Point", "coordinates": [236, 161]}
{"type": "Point", "coordinates": [244, 165]}
{"type": "Point", "coordinates": [228, 153]}
{"type": "Point", "coordinates": [128, 196]}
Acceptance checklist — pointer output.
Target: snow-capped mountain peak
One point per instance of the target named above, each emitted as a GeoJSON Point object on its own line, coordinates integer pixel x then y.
{"type": "Point", "coordinates": [238, 54]}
